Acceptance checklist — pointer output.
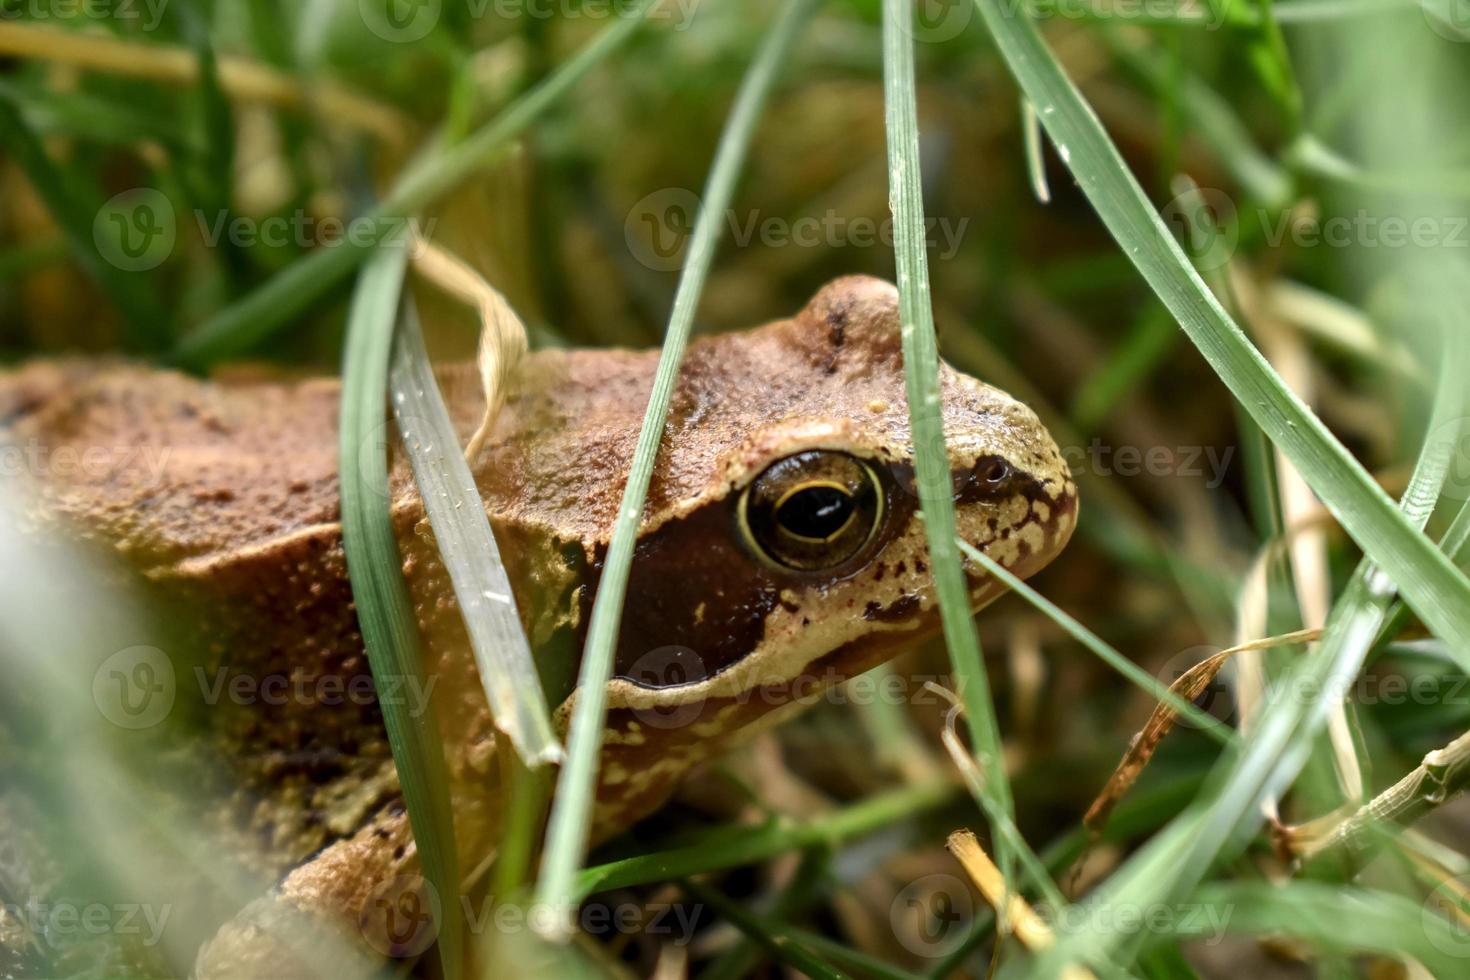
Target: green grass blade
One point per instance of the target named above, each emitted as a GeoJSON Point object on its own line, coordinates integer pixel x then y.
{"type": "Point", "coordinates": [571, 811]}
{"type": "Point", "coordinates": [780, 947]}
{"type": "Point", "coordinates": [1349, 920]}
{"type": "Point", "coordinates": [1430, 583]}
{"type": "Point", "coordinates": [921, 373]}
{"type": "Point", "coordinates": [384, 609]}
{"type": "Point", "coordinates": [81, 215]}
{"type": "Point", "coordinates": [462, 532]}
{"type": "Point", "coordinates": [1296, 710]}
{"type": "Point", "coordinates": [1135, 674]}
{"type": "Point", "coordinates": [865, 964]}
{"type": "Point", "coordinates": [732, 847]}
{"type": "Point", "coordinates": [293, 291]}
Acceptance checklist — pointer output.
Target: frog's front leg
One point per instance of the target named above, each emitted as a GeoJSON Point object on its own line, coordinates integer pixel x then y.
{"type": "Point", "coordinates": [338, 914]}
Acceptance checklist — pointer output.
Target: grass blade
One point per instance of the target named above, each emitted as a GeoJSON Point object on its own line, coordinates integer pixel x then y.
{"type": "Point", "coordinates": [921, 372]}
{"type": "Point", "coordinates": [291, 292]}
{"type": "Point", "coordinates": [1345, 919]}
{"type": "Point", "coordinates": [1135, 674]}
{"type": "Point", "coordinates": [384, 608]}
{"type": "Point", "coordinates": [462, 532]}
{"type": "Point", "coordinates": [571, 812]}
{"type": "Point", "coordinates": [731, 847]}
{"type": "Point", "coordinates": [1431, 584]}
{"type": "Point", "coordinates": [781, 948]}
{"type": "Point", "coordinates": [85, 222]}
{"type": "Point", "coordinates": [1298, 708]}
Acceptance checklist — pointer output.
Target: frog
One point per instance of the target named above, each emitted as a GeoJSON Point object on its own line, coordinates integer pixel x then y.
{"type": "Point", "coordinates": [781, 551]}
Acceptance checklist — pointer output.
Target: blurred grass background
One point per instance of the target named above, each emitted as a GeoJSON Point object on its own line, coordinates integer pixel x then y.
{"type": "Point", "coordinates": [1290, 120]}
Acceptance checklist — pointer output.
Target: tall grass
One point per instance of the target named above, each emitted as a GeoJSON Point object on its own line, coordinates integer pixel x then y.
{"type": "Point", "coordinates": [1110, 322]}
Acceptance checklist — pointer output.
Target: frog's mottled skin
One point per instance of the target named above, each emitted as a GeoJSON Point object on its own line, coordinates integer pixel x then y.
{"type": "Point", "coordinates": [238, 520]}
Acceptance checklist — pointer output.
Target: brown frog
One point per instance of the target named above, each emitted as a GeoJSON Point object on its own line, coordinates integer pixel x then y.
{"type": "Point", "coordinates": [781, 551]}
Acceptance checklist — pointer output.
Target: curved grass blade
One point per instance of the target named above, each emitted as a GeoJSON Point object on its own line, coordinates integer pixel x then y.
{"type": "Point", "coordinates": [384, 610]}
{"type": "Point", "coordinates": [1436, 589]}
{"type": "Point", "coordinates": [462, 532]}
{"type": "Point", "coordinates": [571, 811]}
{"type": "Point", "coordinates": [921, 375]}
{"type": "Point", "coordinates": [291, 292]}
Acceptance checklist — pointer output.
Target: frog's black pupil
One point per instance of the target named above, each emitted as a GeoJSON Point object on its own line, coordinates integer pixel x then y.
{"type": "Point", "coordinates": [816, 512]}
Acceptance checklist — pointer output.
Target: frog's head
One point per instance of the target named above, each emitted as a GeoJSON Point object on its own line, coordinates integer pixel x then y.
{"type": "Point", "coordinates": [783, 550]}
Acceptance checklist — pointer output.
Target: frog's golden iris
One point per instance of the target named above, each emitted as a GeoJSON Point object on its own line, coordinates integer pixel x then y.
{"type": "Point", "coordinates": [812, 511]}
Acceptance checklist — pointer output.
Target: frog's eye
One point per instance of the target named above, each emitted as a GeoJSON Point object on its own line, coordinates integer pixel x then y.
{"type": "Point", "coordinates": [812, 511]}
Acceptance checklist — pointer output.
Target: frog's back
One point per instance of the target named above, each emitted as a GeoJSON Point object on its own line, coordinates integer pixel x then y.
{"type": "Point", "coordinates": [167, 468]}
{"type": "Point", "coordinates": [182, 475]}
